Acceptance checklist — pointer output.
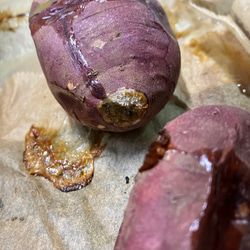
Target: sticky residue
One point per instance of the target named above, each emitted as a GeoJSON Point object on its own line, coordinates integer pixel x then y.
{"type": "Point", "coordinates": [156, 151]}
{"type": "Point", "coordinates": [123, 108]}
{"type": "Point", "coordinates": [11, 22]}
{"type": "Point", "coordinates": [49, 156]}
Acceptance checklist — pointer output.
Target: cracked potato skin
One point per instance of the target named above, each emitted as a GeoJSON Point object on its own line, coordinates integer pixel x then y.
{"type": "Point", "coordinates": [96, 53]}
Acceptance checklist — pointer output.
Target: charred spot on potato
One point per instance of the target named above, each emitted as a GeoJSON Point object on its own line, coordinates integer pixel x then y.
{"type": "Point", "coordinates": [123, 108]}
{"type": "Point", "coordinates": [46, 155]}
{"type": "Point", "coordinates": [118, 34]}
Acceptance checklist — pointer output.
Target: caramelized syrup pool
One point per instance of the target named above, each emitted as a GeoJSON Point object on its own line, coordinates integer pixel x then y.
{"type": "Point", "coordinates": [49, 156]}
{"type": "Point", "coordinates": [11, 22]}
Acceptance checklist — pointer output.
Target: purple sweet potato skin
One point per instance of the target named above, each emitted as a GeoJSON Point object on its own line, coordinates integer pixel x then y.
{"type": "Point", "coordinates": [90, 49]}
{"type": "Point", "coordinates": [212, 127]}
{"type": "Point", "coordinates": [168, 200]}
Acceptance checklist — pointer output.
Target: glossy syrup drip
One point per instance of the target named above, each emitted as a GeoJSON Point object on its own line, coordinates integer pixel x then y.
{"type": "Point", "coordinates": [60, 14]}
{"type": "Point", "coordinates": [226, 217]}
{"type": "Point", "coordinates": [156, 151]}
{"type": "Point", "coordinates": [80, 62]}
{"type": "Point", "coordinates": [244, 88]}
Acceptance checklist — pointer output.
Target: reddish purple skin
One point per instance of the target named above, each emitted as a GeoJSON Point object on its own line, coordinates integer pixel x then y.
{"type": "Point", "coordinates": [167, 199]}
{"type": "Point", "coordinates": [136, 36]}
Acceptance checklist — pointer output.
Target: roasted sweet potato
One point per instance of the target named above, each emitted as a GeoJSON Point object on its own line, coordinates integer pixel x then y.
{"type": "Point", "coordinates": [112, 65]}
{"type": "Point", "coordinates": [193, 191]}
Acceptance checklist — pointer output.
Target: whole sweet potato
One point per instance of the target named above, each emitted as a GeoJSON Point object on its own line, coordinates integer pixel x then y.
{"type": "Point", "coordinates": [193, 191]}
{"type": "Point", "coordinates": [111, 64]}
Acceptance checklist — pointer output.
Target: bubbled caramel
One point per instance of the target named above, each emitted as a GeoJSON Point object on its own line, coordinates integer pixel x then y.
{"type": "Point", "coordinates": [49, 156]}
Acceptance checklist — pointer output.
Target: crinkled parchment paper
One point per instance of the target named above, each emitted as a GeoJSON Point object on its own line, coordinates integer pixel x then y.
{"type": "Point", "coordinates": [33, 214]}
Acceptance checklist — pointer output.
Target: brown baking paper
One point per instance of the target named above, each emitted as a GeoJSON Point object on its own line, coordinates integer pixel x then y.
{"type": "Point", "coordinates": [33, 212]}
{"type": "Point", "coordinates": [35, 215]}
